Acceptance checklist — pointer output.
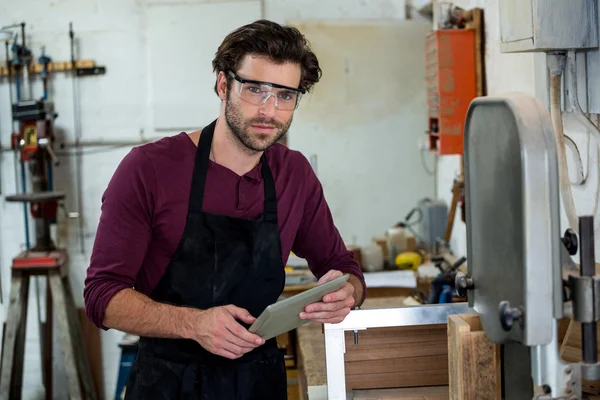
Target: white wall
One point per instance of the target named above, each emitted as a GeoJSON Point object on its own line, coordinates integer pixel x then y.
{"type": "Point", "coordinates": [138, 41]}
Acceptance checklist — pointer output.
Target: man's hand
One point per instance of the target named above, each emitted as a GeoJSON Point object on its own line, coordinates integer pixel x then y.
{"type": "Point", "coordinates": [334, 306]}
{"type": "Point", "coordinates": [217, 330]}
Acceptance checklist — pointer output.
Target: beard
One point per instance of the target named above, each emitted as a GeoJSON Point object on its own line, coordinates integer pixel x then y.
{"type": "Point", "coordinates": [240, 127]}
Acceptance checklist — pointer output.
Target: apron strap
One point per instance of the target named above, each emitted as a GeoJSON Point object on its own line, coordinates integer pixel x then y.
{"type": "Point", "coordinates": [270, 193]}
{"type": "Point", "coordinates": [201, 167]}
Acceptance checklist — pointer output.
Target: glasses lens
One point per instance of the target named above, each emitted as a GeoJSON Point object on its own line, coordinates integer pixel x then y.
{"type": "Point", "coordinates": [258, 94]}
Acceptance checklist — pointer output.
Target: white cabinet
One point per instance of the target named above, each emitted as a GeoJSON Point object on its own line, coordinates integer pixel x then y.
{"type": "Point", "coordinates": [545, 25]}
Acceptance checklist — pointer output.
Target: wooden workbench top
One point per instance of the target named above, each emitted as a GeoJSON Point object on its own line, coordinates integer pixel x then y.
{"type": "Point", "coordinates": [311, 343]}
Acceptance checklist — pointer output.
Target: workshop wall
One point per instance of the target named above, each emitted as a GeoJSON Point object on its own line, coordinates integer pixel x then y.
{"type": "Point", "coordinates": [524, 73]}
{"type": "Point", "coordinates": [151, 49]}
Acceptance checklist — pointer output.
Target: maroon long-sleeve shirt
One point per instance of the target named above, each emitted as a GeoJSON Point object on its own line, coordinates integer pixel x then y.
{"type": "Point", "coordinates": [145, 205]}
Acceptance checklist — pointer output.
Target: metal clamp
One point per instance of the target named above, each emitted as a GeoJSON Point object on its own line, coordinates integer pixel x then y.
{"type": "Point", "coordinates": [463, 283]}
{"type": "Point", "coordinates": [585, 292]}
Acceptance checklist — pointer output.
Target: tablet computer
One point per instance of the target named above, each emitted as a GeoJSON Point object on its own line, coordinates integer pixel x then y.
{"type": "Point", "coordinates": [283, 316]}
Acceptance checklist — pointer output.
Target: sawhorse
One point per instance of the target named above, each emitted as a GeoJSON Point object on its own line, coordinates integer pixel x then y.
{"type": "Point", "coordinates": [60, 298]}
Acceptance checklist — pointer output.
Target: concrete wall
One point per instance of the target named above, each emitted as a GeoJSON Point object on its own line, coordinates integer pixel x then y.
{"type": "Point", "coordinates": [142, 94]}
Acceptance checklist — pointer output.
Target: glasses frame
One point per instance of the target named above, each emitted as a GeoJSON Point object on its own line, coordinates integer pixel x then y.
{"type": "Point", "coordinates": [241, 80]}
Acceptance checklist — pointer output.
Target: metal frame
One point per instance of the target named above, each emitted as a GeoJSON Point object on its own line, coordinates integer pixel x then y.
{"type": "Point", "coordinates": [335, 345]}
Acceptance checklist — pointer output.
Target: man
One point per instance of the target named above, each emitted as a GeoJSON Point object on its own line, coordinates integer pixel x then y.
{"type": "Point", "coordinates": [196, 229]}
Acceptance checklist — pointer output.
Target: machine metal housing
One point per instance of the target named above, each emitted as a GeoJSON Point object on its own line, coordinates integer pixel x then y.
{"type": "Point", "coordinates": [544, 25]}
{"type": "Point", "coordinates": [512, 205]}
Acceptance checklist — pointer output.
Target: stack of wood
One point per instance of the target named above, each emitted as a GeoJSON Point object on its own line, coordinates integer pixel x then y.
{"type": "Point", "coordinates": [397, 357]}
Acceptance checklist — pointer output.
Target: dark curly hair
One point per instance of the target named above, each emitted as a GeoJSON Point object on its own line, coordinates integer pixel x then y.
{"type": "Point", "coordinates": [268, 39]}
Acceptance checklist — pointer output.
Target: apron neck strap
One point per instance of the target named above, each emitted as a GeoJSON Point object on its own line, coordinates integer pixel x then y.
{"type": "Point", "coordinates": [270, 194]}
{"type": "Point", "coordinates": [201, 168]}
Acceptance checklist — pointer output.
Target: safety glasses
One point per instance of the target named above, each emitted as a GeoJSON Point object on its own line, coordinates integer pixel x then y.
{"type": "Point", "coordinates": [258, 92]}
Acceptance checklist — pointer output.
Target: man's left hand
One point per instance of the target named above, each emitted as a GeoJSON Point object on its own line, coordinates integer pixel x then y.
{"type": "Point", "coordinates": [334, 306]}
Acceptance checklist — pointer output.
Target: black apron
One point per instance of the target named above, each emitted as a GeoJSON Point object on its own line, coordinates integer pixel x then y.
{"type": "Point", "coordinates": [220, 260]}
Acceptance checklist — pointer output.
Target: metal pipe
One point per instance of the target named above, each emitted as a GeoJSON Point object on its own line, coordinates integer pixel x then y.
{"type": "Point", "coordinates": [109, 142]}
{"type": "Point", "coordinates": [556, 64]}
{"type": "Point", "coordinates": [589, 334]}
{"type": "Point", "coordinates": [9, 66]}
{"type": "Point", "coordinates": [26, 60]}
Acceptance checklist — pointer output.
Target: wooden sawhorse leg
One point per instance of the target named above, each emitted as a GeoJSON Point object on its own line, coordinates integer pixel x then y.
{"type": "Point", "coordinates": [11, 377]}
{"type": "Point", "coordinates": [71, 339]}
{"type": "Point", "coordinates": [77, 367]}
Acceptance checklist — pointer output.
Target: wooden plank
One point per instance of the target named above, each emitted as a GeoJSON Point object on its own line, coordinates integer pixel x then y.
{"type": "Point", "coordinates": [474, 362]}
{"type": "Point", "coordinates": [474, 19]}
{"type": "Point", "coordinates": [55, 66]}
{"type": "Point", "coordinates": [387, 351]}
{"type": "Point", "coordinates": [66, 341]}
{"type": "Point", "coordinates": [397, 365]}
{"type": "Point", "coordinates": [91, 336]}
{"type": "Point", "coordinates": [456, 327]}
{"type": "Point", "coordinates": [379, 336]}
{"type": "Point", "coordinates": [311, 354]}
{"type": "Point", "coordinates": [16, 313]}
{"type": "Point", "coordinates": [416, 393]}
{"type": "Point", "coordinates": [398, 379]}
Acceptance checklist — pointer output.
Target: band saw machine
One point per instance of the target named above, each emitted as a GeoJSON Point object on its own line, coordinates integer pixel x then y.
{"type": "Point", "coordinates": [521, 279]}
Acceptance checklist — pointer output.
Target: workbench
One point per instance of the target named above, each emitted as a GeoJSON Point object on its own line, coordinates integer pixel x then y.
{"type": "Point", "coordinates": [312, 377]}
{"type": "Point", "coordinates": [390, 286]}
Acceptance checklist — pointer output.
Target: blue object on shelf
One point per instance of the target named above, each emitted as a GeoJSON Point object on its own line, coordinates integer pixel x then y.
{"type": "Point", "coordinates": [128, 353]}
{"type": "Point", "coordinates": [446, 295]}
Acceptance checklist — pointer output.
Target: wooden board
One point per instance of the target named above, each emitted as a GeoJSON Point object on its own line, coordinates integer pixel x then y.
{"type": "Point", "coordinates": [53, 67]}
{"type": "Point", "coordinates": [474, 362]}
{"type": "Point", "coordinates": [475, 21]}
{"type": "Point", "coordinates": [91, 337]}
{"type": "Point", "coordinates": [416, 393]}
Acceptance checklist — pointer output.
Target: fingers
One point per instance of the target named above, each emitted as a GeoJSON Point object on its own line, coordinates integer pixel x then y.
{"type": "Point", "coordinates": [338, 305]}
{"type": "Point", "coordinates": [240, 313]}
{"type": "Point", "coordinates": [329, 276]}
{"type": "Point", "coordinates": [230, 350]}
{"type": "Point", "coordinates": [224, 335]}
{"type": "Point", "coordinates": [332, 317]}
{"type": "Point", "coordinates": [344, 292]}
{"type": "Point", "coordinates": [238, 330]}
{"type": "Point", "coordinates": [242, 337]}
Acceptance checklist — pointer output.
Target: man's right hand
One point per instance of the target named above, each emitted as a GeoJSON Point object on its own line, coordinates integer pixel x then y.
{"type": "Point", "coordinates": [217, 330]}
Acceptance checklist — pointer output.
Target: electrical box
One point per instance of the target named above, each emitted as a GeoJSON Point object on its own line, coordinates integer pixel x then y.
{"type": "Point", "coordinates": [451, 86]}
{"type": "Point", "coordinates": [545, 25]}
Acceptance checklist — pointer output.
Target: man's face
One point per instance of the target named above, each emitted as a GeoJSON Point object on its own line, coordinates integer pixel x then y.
{"type": "Point", "coordinates": [259, 126]}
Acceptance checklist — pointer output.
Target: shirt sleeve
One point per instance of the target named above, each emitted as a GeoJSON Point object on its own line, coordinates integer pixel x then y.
{"type": "Point", "coordinates": [123, 235]}
{"type": "Point", "coordinates": [318, 239]}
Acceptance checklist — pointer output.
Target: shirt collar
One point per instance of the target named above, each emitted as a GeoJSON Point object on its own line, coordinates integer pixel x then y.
{"type": "Point", "coordinates": [255, 173]}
